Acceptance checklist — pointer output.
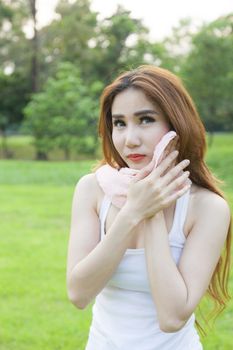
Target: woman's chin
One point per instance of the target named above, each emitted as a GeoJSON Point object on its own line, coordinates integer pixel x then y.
{"type": "Point", "coordinates": [138, 165]}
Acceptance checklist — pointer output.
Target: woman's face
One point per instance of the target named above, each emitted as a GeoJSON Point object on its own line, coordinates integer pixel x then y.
{"type": "Point", "coordinates": [138, 126]}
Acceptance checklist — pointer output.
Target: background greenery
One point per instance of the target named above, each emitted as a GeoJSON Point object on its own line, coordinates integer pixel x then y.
{"type": "Point", "coordinates": [35, 210]}
{"type": "Point", "coordinates": [51, 79]}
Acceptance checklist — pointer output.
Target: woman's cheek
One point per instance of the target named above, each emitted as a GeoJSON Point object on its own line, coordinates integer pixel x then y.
{"type": "Point", "coordinates": [116, 141]}
{"type": "Point", "coordinates": [163, 131]}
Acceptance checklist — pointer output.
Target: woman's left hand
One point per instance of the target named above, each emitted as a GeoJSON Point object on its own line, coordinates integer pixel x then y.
{"type": "Point", "coordinates": [172, 146]}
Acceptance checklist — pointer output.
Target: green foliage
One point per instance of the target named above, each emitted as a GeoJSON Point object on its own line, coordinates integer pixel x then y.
{"type": "Point", "coordinates": [177, 45]}
{"type": "Point", "coordinates": [118, 44]}
{"type": "Point", "coordinates": [15, 66]}
{"type": "Point", "coordinates": [5, 11]}
{"type": "Point", "coordinates": [102, 48]}
{"type": "Point", "coordinates": [14, 47]}
{"type": "Point", "coordinates": [14, 94]}
{"type": "Point", "coordinates": [64, 115]}
{"type": "Point", "coordinates": [67, 38]}
{"type": "Point", "coordinates": [208, 72]}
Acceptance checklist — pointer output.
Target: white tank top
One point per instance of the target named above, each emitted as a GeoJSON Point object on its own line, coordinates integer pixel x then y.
{"type": "Point", "coordinates": [124, 314]}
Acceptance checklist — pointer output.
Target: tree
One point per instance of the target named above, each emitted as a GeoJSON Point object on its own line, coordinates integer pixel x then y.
{"type": "Point", "coordinates": [179, 44]}
{"type": "Point", "coordinates": [35, 53]}
{"type": "Point", "coordinates": [16, 55]}
{"type": "Point", "coordinates": [118, 44]}
{"type": "Point", "coordinates": [14, 50]}
{"type": "Point", "coordinates": [67, 38]}
{"type": "Point", "coordinates": [64, 115]}
{"type": "Point", "coordinates": [14, 94]}
{"type": "Point", "coordinates": [100, 48]}
{"type": "Point", "coordinates": [208, 73]}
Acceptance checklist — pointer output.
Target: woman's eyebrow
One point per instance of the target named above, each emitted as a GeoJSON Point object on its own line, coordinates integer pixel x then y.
{"type": "Point", "coordinates": [136, 114]}
{"type": "Point", "coordinates": [146, 111]}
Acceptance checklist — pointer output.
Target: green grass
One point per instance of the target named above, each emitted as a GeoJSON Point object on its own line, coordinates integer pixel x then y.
{"type": "Point", "coordinates": [35, 216]}
{"type": "Point", "coordinates": [35, 313]}
{"type": "Point", "coordinates": [42, 173]}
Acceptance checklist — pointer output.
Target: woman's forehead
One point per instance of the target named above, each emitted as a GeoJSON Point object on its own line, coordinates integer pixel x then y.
{"type": "Point", "coordinates": [131, 101]}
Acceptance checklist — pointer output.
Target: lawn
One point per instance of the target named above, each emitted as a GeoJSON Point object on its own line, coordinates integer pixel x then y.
{"type": "Point", "coordinates": [35, 210]}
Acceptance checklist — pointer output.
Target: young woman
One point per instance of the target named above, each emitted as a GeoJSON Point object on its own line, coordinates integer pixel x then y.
{"type": "Point", "coordinates": [147, 242]}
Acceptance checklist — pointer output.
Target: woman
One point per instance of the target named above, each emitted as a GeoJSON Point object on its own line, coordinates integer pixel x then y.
{"type": "Point", "coordinates": [150, 257]}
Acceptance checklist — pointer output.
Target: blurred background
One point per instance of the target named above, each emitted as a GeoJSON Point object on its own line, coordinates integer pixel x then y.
{"type": "Point", "coordinates": [55, 59]}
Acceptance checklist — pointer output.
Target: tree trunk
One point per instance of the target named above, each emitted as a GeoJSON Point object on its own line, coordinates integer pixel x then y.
{"type": "Point", "coordinates": [34, 62]}
{"type": "Point", "coordinates": [41, 155]}
{"type": "Point", "coordinates": [6, 153]}
{"type": "Point", "coordinates": [67, 154]}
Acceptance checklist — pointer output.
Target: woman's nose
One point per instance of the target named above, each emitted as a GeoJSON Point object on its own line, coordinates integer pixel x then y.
{"type": "Point", "coordinates": [132, 138]}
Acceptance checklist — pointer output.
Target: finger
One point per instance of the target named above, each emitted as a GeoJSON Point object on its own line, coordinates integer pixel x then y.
{"type": "Point", "coordinates": [169, 148]}
{"type": "Point", "coordinates": [178, 183]}
{"type": "Point", "coordinates": [176, 147]}
{"type": "Point", "coordinates": [172, 146]}
{"type": "Point", "coordinates": [173, 197]}
{"type": "Point", "coordinates": [144, 172]}
{"type": "Point", "coordinates": [175, 141]}
{"type": "Point", "coordinates": [175, 172]}
{"type": "Point", "coordinates": [163, 166]}
{"type": "Point", "coordinates": [172, 165]}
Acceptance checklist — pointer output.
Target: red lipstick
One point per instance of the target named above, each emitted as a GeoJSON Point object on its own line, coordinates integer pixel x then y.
{"type": "Point", "coordinates": [136, 157]}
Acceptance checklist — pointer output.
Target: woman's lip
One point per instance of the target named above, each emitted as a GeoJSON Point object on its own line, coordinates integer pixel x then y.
{"type": "Point", "coordinates": [136, 157]}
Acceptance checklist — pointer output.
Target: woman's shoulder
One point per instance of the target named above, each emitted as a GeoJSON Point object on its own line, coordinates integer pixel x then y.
{"type": "Point", "coordinates": [86, 183]}
{"type": "Point", "coordinates": [202, 195]}
{"type": "Point", "coordinates": [88, 187]}
{"type": "Point", "coordinates": [206, 202]}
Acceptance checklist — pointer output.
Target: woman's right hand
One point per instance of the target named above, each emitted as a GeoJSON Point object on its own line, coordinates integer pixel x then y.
{"type": "Point", "coordinates": [156, 189]}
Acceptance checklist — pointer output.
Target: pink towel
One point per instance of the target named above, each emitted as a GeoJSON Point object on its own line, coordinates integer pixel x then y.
{"type": "Point", "coordinates": [115, 182]}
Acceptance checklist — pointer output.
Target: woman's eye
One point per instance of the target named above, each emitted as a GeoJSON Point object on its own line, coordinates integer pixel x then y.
{"type": "Point", "coordinates": [146, 120]}
{"type": "Point", "coordinates": [118, 123]}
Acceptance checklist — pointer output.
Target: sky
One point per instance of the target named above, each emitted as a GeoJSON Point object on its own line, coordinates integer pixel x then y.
{"type": "Point", "coordinates": [158, 16]}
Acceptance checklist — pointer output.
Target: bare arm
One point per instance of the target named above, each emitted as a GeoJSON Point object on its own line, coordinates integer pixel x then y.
{"type": "Point", "coordinates": [177, 290]}
{"type": "Point", "coordinates": [90, 265]}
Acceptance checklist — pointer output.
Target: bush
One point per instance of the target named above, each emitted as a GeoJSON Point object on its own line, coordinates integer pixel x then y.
{"type": "Point", "coordinates": [64, 115]}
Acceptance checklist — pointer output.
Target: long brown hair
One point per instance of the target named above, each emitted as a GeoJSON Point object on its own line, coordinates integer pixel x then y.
{"type": "Point", "coordinates": [167, 91]}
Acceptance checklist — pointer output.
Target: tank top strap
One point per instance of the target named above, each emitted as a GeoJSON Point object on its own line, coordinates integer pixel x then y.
{"type": "Point", "coordinates": [106, 202]}
{"type": "Point", "coordinates": [179, 217]}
